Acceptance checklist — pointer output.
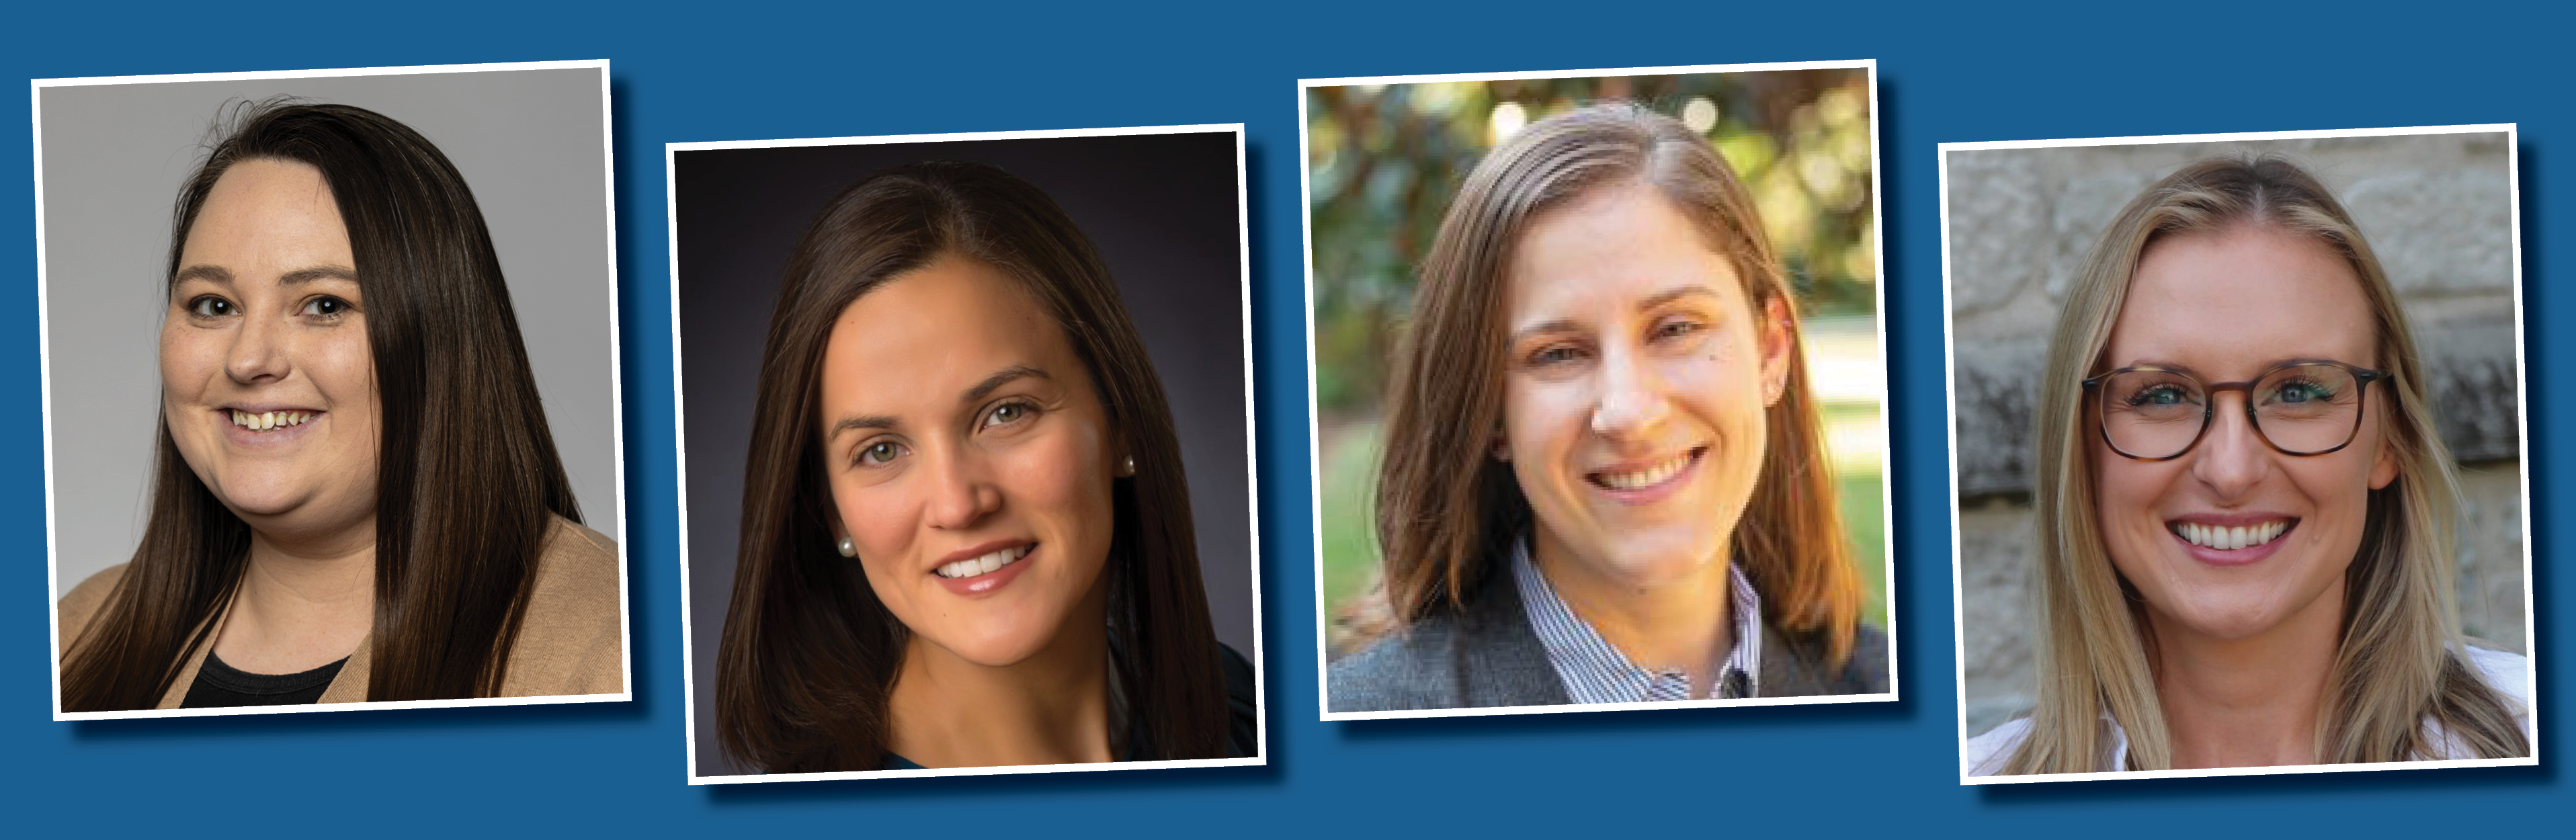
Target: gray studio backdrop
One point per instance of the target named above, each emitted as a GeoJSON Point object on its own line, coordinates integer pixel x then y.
{"type": "Point", "coordinates": [2438, 211]}
{"type": "Point", "coordinates": [1162, 210]}
{"type": "Point", "coordinates": [532, 145]}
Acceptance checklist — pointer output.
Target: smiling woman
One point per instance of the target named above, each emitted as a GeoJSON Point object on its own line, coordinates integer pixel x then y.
{"type": "Point", "coordinates": [966, 532]}
{"type": "Point", "coordinates": [1604, 478]}
{"type": "Point", "coordinates": [2244, 511]}
{"type": "Point", "coordinates": [357, 497]}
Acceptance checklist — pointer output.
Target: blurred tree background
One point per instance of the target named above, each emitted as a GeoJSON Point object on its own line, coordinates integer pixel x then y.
{"type": "Point", "coordinates": [1384, 161]}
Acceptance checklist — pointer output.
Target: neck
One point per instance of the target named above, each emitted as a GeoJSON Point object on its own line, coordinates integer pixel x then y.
{"type": "Point", "coordinates": [1677, 624]}
{"type": "Point", "coordinates": [2247, 702]}
{"type": "Point", "coordinates": [1049, 708]}
{"type": "Point", "coordinates": [305, 601]}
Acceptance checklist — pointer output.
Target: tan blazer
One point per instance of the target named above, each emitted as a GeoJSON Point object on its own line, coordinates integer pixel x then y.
{"type": "Point", "coordinates": [569, 642]}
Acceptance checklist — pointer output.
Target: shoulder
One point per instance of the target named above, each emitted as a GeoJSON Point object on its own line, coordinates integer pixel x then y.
{"type": "Point", "coordinates": [1985, 754]}
{"type": "Point", "coordinates": [79, 607]}
{"type": "Point", "coordinates": [1794, 664]}
{"type": "Point", "coordinates": [571, 641]}
{"type": "Point", "coordinates": [1242, 703]}
{"type": "Point", "coordinates": [2507, 673]}
{"type": "Point", "coordinates": [1411, 668]}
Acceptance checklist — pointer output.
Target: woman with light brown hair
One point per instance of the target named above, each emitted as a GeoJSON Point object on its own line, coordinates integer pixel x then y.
{"type": "Point", "coordinates": [2244, 512]}
{"type": "Point", "coordinates": [1604, 478]}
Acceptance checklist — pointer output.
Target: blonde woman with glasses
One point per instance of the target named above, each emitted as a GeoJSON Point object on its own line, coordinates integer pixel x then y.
{"type": "Point", "coordinates": [2244, 512]}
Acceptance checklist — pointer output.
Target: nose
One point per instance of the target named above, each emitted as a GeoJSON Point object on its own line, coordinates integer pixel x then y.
{"type": "Point", "coordinates": [961, 491]}
{"type": "Point", "coordinates": [1632, 402]}
{"type": "Point", "coordinates": [2231, 456]}
{"type": "Point", "coordinates": [259, 352]}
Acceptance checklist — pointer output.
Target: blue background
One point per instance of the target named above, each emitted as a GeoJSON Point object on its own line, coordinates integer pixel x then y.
{"type": "Point", "coordinates": [729, 71]}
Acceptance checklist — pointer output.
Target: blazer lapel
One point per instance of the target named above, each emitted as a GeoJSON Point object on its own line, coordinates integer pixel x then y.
{"type": "Point", "coordinates": [1500, 660]}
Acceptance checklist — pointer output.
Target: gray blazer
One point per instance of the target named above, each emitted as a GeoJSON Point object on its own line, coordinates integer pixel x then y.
{"type": "Point", "coordinates": [1486, 655]}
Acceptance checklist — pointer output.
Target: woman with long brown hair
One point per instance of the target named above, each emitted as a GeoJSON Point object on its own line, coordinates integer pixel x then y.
{"type": "Point", "coordinates": [2244, 511]}
{"type": "Point", "coordinates": [356, 496]}
{"type": "Point", "coordinates": [966, 532]}
{"type": "Point", "coordinates": [1604, 478]}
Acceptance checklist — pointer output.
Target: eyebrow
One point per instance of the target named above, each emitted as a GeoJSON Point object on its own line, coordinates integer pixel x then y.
{"type": "Point", "coordinates": [219, 274]}
{"type": "Point", "coordinates": [1649, 302]}
{"type": "Point", "coordinates": [981, 390]}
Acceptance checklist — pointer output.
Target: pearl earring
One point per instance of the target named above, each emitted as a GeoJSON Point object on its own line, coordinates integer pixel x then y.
{"type": "Point", "coordinates": [1127, 467]}
{"type": "Point", "coordinates": [848, 548]}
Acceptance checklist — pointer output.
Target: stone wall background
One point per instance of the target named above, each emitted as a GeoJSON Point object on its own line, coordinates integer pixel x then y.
{"type": "Point", "coordinates": [2438, 210]}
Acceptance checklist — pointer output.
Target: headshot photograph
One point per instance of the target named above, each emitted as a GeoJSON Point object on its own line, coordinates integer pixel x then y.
{"type": "Point", "coordinates": [302, 451]}
{"type": "Point", "coordinates": [966, 454]}
{"type": "Point", "coordinates": [2239, 454]}
{"type": "Point", "coordinates": [1599, 390]}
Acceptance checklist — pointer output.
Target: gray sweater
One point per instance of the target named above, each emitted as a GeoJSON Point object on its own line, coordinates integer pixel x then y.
{"type": "Point", "coordinates": [1485, 655]}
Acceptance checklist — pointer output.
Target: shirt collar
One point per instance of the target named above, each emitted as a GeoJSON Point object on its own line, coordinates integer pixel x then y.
{"type": "Point", "coordinates": [1595, 672]}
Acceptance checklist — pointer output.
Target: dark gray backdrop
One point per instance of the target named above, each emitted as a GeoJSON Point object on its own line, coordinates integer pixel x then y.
{"type": "Point", "coordinates": [531, 144]}
{"type": "Point", "coordinates": [1163, 210]}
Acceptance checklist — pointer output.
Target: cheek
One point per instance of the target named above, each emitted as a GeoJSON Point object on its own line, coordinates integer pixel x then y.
{"type": "Point", "coordinates": [1542, 417]}
{"type": "Point", "coordinates": [188, 357]}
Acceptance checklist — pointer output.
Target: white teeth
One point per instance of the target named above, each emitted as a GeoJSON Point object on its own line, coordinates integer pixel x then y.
{"type": "Point", "coordinates": [984, 565]}
{"type": "Point", "coordinates": [1647, 477]}
{"type": "Point", "coordinates": [2227, 538]}
{"type": "Point", "coordinates": [267, 420]}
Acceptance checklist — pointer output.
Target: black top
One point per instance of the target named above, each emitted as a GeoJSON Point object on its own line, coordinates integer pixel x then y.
{"type": "Point", "coordinates": [1242, 724]}
{"type": "Point", "coordinates": [221, 686]}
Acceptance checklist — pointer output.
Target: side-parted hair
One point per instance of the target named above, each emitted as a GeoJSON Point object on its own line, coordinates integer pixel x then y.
{"type": "Point", "coordinates": [1447, 511]}
{"type": "Point", "coordinates": [466, 470]}
{"type": "Point", "coordinates": [810, 656]}
{"type": "Point", "coordinates": [2400, 664]}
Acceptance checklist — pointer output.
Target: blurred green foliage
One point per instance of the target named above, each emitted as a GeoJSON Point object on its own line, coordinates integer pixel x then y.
{"type": "Point", "coordinates": [1385, 160]}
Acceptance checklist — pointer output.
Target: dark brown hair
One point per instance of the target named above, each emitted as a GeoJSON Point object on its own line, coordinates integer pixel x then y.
{"type": "Point", "coordinates": [466, 472]}
{"type": "Point", "coordinates": [1447, 510]}
{"type": "Point", "coordinates": [810, 657]}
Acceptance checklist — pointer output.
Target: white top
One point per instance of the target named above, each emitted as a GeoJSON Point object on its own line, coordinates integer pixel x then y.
{"type": "Point", "coordinates": [2507, 673]}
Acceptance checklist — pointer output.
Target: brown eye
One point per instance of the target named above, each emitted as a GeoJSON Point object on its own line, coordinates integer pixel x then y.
{"type": "Point", "coordinates": [326, 306]}
{"type": "Point", "coordinates": [210, 306]}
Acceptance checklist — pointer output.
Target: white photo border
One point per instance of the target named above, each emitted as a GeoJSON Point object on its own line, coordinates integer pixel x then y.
{"type": "Point", "coordinates": [616, 362]}
{"type": "Point", "coordinates": [1251, 453]}
{"type": "Point", "coordinates": [1314, 430]}
{"type": "Point", "coordinates": [2522, 364]}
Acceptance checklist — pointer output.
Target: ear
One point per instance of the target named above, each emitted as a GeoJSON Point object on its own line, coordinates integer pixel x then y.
{"type": "Point", "coordinates": [1501, 447]}
{"type": "Point", "coordinates": [2383, 466]}
{"type": "Point", "coordinates": [1777, 335]}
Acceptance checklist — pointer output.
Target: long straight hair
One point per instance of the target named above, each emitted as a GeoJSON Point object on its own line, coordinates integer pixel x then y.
{"type": "Point", "coordinates": [466, 471]}
{"type": "Point", "coordinates": [1447, 510]}
{"type": "Point", "coordinates": [2400, 664]}
{"type": "Point", "coordinates": [810, 656]}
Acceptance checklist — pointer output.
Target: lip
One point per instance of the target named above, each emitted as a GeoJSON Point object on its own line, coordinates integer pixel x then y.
{"type": "Point", "coordinates": [983, 585]}
{"type": "Point", "coordinates": [2232, 557]}
{"type": "Point", "coordinates": [270, 439]}
{"type": "Point", "coordinates": [1651, 493]}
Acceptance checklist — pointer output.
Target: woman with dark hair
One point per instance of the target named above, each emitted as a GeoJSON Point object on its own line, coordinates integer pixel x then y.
{"type": "Point", "coordinates": [1604, 477]}
{"type": "Point", "coordinates": [966, 535]}
{"type": "Point", "coordinates": [356, 496]}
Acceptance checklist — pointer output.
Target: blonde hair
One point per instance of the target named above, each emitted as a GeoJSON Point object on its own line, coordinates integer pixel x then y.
{"type": "Point", "coordinates": [2400, 664]}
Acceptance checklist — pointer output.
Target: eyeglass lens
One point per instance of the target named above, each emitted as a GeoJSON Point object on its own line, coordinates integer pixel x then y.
{"type": "Point", "coordinates": [2302, 409]}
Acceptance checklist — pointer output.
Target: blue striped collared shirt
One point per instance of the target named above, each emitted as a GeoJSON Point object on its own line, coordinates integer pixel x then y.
{"type": "Point", "coordinates": [1595, 672]}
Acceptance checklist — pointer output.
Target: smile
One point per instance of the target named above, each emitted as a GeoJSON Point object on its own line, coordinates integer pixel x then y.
{"type": "Point", "coordinates": [2231, 538]}
{"type": "Point", "coordinates": [1648, 476]}
{"type": "Point", "coordinates": [262, 421]}
{"type": "Point", "coordinates": [986, 564]}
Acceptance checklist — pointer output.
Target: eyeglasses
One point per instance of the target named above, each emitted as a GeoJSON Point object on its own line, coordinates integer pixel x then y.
{"type": "Point", "coordinates": [2151, 413]}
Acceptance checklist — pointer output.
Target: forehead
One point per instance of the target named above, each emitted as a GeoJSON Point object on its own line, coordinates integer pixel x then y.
{"type": "Point", "coordinates": [922, 338]}
{"type": "Point", "coordinates": [272, 209]}
{"type": "Point", "coordinates": [2231, 303]}
{"type": "Point", "coordinates": [1607, 250]}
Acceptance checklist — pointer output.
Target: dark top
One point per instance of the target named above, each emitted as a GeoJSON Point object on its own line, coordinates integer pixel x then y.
{"type": "Point", "coordinates": [1242, 725]}
{"type": "Point", "coordinates": [221, 686]}
{"type": "Point", "coordinates": [1485, 655]}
